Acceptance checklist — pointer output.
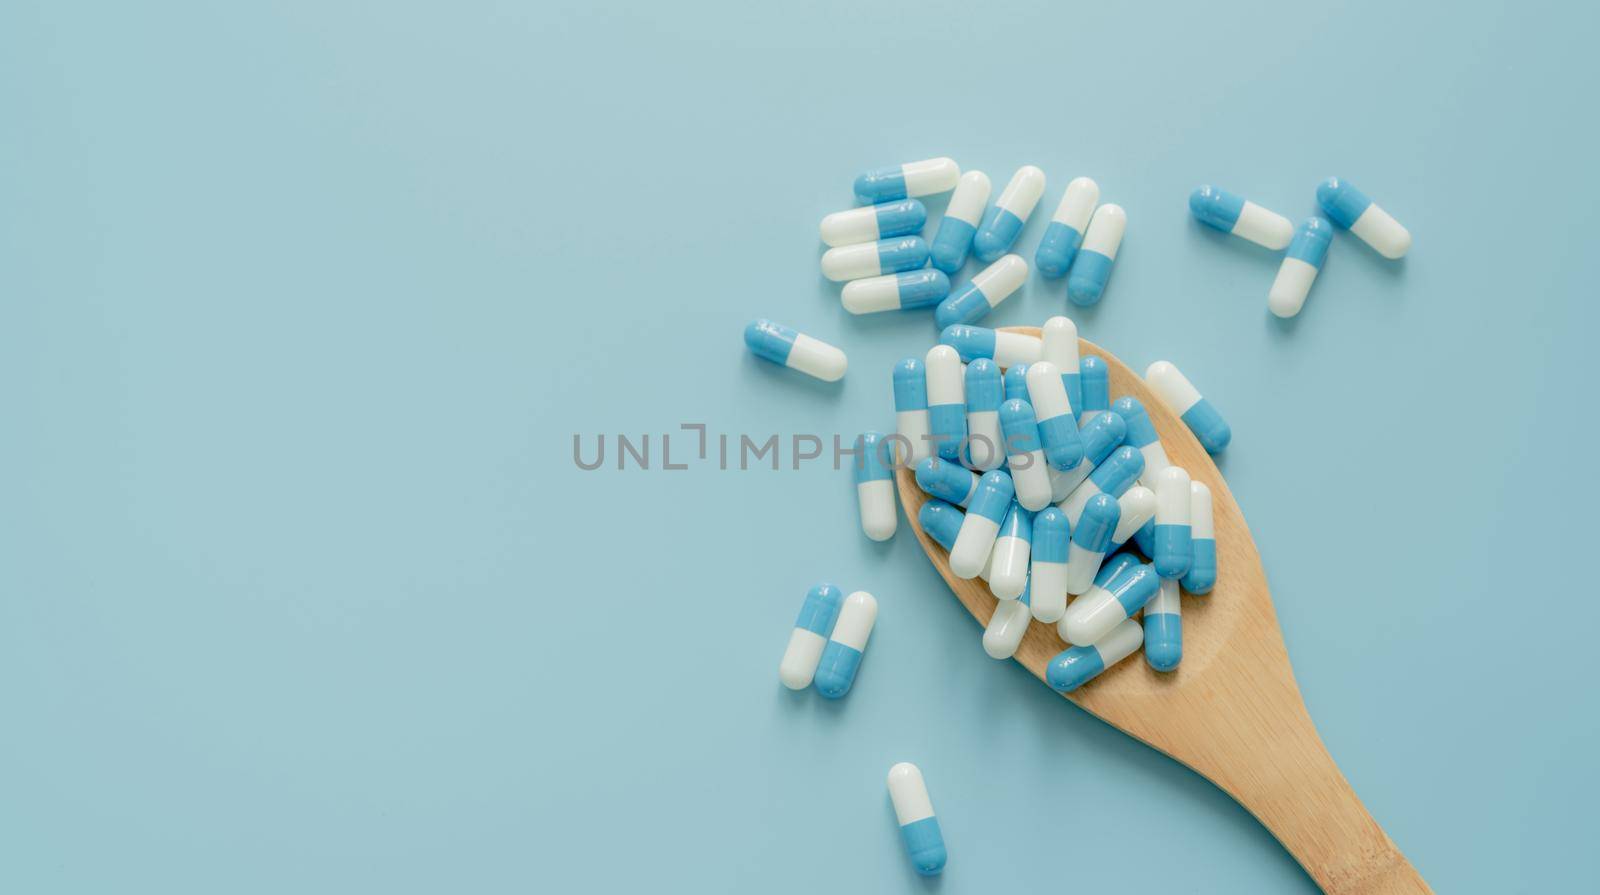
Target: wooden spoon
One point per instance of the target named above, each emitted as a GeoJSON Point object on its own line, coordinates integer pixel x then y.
{"type": "Point", "coordinates": [1231, 711]}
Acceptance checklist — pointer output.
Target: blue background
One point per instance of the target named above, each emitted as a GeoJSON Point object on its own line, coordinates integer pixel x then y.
{"type": "Point", "coordinates": [303, 303]}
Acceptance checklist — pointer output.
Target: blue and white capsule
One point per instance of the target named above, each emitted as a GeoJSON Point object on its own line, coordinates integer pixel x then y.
{"type": "Point", "coordinates": [1058, 425]}
{"type": "Point", "coordinates": [811, 631]}
{"type": "Point", "coordinates": [1051, 550]}
{"type": "Point", "coordinates": [1008, 559]}
{"type": "Point", "coordinates": [1202, 574]}
{"type": "Point", "coordinates": [1007, 625]}
{"type": "Point", "coordinates": [1086, 284]}
{"type": "Point", "coordinates": [985, 390]}
{"type": "Point", "coordinates": [1172, 536]}
{"type": "Point", "coordinates": [1222, 210]}
{"type": "Point", "coordinates": [989, 287]}
{"type": "Point", "coordinates": [1025, 455]}
{"type": "Point", "coordinates": [906, 291]}
{"type": "Point", "coordinates": [1016, 380]}
{"type": "Point", "coordinates": [901, 217]}
{"type": "Point", "coordinates": [1350, 208]}
{"type": "Point", "coordinates": [1094, 380]}
{"type": "Point", "coordinates": [919, 827]}
{"type": "Point", "coordinates": [1178, 393]}
{"type": "Point", "coordinates": [1091, 539]}
{"type": "Point", "coordinates": [1138, 510]}
{"type": "Point", "coordinates": [873, 259]}
{"type": "Point", "coordinates": [953, 240]}
{"type": "Point", "coordinates": [1072, 668]}
{"type": "Point", "coordinates": [1101, 436]}
{"type": "Point", "coordinates": [1061, 239]}
{"type": "Point", "coordinates": [1113, 477]}
{"type": "Point", "coordinates": [1142, 435]}
{"type": "Point", "coordinates": [970, 553]}
{"type": "Point", "coordinates": [795, 350]}
{"type": "Point", "coordinates": [1300, 266]}
{"type": "Point", "coordinates": [841, 658]}
{"type": "Point", "coordinates": [875, 486]}
{"type": "Point", "coordinates": [1059, 345]}
{"type": "Point", "coordinates": [947, 401]}
{"type": "Point", "coordinates": [1096, 613]}
{"type": "Point", "coordinates": [1004, 348]}
{"type": "Point", "coordinates": [1003, 223]}
{"type": "Point", "coordinates": [947, 481]}
{"type": "Point", "coordinates": [1163, 627]}
{"type": "Point", "coordinates": [911, 410]}
{"type": "Point", "coordinates": [942, 521]}
{"type": "Point", "coordinates": [910, 180]}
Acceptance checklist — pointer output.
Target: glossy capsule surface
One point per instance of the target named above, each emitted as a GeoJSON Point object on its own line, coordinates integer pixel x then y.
{"type": "Point", "coordinates": [1059, 345]}
{"type": "Point", "coordinates": [910, 180]}
{"type": "Point", "coordinates": [1072, 668]}
{"type": "Point", "coordinates": [1171, 535]}
{"type": "Point", "coordinates": [1178, 393]}
{"type": "Point", "coordinates": [1202, 574]}
{"type": "Point", "coordinates": [1091, 270]}
{"type": "Point", "coordinates": [947, 401]}
{"type": "Point", "coordinates": [1003, 223]}
{"type": "Point", "coordinates": [1163, 627]}
{"type": "Point", "coordinates": [1004, 348]}
{"type": "Point", "coordinates": [1230, 213]}
{"type": "Point", "coordinates": [1025, 455]}
{"type": "Point", "coordinates": [1138, 510]}
{"type": "Point", "coordinates": [873, 259]}
{"type": "Point", "coordinates": [911, 410]}
{"type": "Point", "coordinates": [1008, 560]}
{"type": "Point", "coordinates": [942, 522]}
{"type": "Point", "coordinates": [1300, 267]}
{"type": "Point", "coordinates": [1096, 613]}
{"type": "Point", "coordinates": [795, 350]}
{"type": "Point", "coordinates": [1048, 582]}
{"type": "Point", "coordinates": [988, 288]}
{"type": "Point", "coordinates": [985, 391]}
{"type": "Point", "coordinates": [953, 240]}
{"type": "Point", "coordinates": [1094, 379]}
{"type": "Point", "coordinates": [841, 658]}
{"type": "Point", "coordinates": [1091, 539]}
{"type": "Point", "coordinates": [947, 481]}
{"type": "Point", "coordinates": [1350, 208]}
{"type": "Point", "coordinates": [1058, 425]}
{"type": "Point", "coordinates": [874, 470]}
{"type": "Point", "coordinates": [919, 827]}
{"type": "Point", "coordinates": [970, 553]}
{"type": "Point", "coordinates": [1141, 434]}
{"type": "Point", "coordinates": [1061, 240]}
{"type": "Point", "coordinates": [1016, 380]}
{"type": "Point", "coordinates": [1101, 436]}
{"type": "Point", "coordinates": [875, 222]}
{"type": "Point", "coordinates": [905, 291]}
{"type": "Point", "coordinates": [1114, 476]}
{"type": "Point", "coordinates": [811, 631]}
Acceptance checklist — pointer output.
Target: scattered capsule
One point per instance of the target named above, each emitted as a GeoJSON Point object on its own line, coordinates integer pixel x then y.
{"type": "Point", "coordinates": [1307, 251]}
{"type": "Point", "coordinates": [919, 828]}
{"type": "Point", "coordinates": [1091, 538]}
{"type": "Point", "coordinates": [811, 630]}
{"type": "Point", "coordinates": [953, 240]}
{"type": "Point", "coordinates": [875, 486]}
{"type": "Point", "coordinates": [1172, 522]}
{"type": "Point", "coordinates": [1025, 455]}
{"type": "Point", "coordinates": [1065, 233]}
{"type": "Point", "coordinates": [1059, 346]}
{"type": "Point", "coordinates": [1142, 435]}
{"type": "Point", "coordinates": [984, 392]}
{"type": "Point", "coordinates": [988, 507]}
{"type": "Point", "coordinates": [911, 410]}
{"type": "Point", "coordinates": [895, 292]}
{"type": "Point", "coordinates": [1073, 668]}
{"type": "Point", "coordinates": [1094, 615]}
{"type": "Point", "coordinates": [1163, 627]}
{"type": "Point", "coordinates": [1005, 349]}
{"type": "Point", "coordinates": [1202, 574]}
{"type": "Point", "coordinates": [872, 259]}
{"type": "Point", "coordinates": [1101, 436]}
{"type": "Point", "coordinates": [1058, 427]}
{"type": "Point", "coordinates": [1222, 210]}
{"type": "Point", "coordinates": [1051, 538]}
{"type": "Point", "coordinates": [1008, 624]}
{"type": "Point", "coordinates": [947, 402]}
{"type": "Point", "coordinates": [1169, 383]}
{"type": "Point", "coordinates": [898, 218]}
{"type": "Point", "coordinates": [989, 287]}
{"type": "Point", "coordinates": [797, 351]}
{"type": "Point", "coordinates": [941, 521]}
{"type": "Point", "coordinates": [1138, 510]}
{"type": "Point", "coordinates": [1016, 380]}
{"type": "Point", "coordinates": [1003, 223]}
{"type": "Point", "coordinates": [1350, 208]}
{"type": "Point", "coordinates": [1095, 382]}
{"type": "Point", "coordinates": [912, 179]}
{"type": "Point", "coordinates": [947, 481]}
{"type": "Point", "coordinates": [1008, 560]}
{"type": "Point", "coordinates": [842, 656]}
{"type": "Point", "coordinates": [1092, 268]}
{"type": "Point", "coordinates": [1114, 476]}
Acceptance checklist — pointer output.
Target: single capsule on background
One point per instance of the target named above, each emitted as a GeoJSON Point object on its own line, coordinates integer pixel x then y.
{"type": "Point", "coordinates": [1007, 626]}
{"type": "Point", "coordinates": [947, 401]}
{"type": "Point", "coordinates": [842, 656]}
{"type": "Point", "coordinates": [979, 527]}
{"type": "Point", "coordinates": [989, 287]}
{"type": "Point", "coordinates": [1101, 436]}
{"type": "Point", "coordinates": [1005, 349]}
{"type": "Point", "coordinates": [895, 292]}
{"type": "Point", "coordinates": [984, 392]}
{"type": "Point", "coordinates": [911, 410]}
{"type": "Point", "coordinates": [947, 481]}
{"type": "Point", "coordinates": [1008, 560]}
{"type": "Point", "coordinates": [1169, 383]}
{"type": "Point", "coordinates": [1025, 455]}
{"type": "Point", "coordinates": [1058, 426]}
{"type": "Point", "coordinates": [1050, 552]}
{"type": "Point", "coordinates": [1016, 380]}
{"type": "Point", "coordinates": [1091, 538]}
{"type": "Point", "coordinates": [875, 486]}
{"type": "Point", "coordinates": [1350, 208]}
{"type": "Point", "coordinates": [1059, 345]}
{"type": "Point", "coordinates": [1163, 627]}
{"type": "Point", "coordinates": [1138, 510]}
{"type": "Point", "coordinates": [797, 351]}
{"type": "Point", "coordinates": [912, 179]}
{"type": "Point", "coordinates": [1095, 381]}
{"type": "Point", "coordinates": [1072, 668]}
{"type": "Point", "coordinates": [1222, 210]}
{"type": "Point", "coordinates": [1114, 476]}
{"type": "Point", "coordinates": [871, 259]}
{"type": "Point", "coordinates": [1300, 266]}
{"type": "Point", "coordinates": [919, 828]}
{"type": "Point", "coordinates": [1003, 223]}
{"type": "Point", "coordinates": [1065, 233]}
{"type": "Point", "coordinates": [953, 240]}
{"type": "Point", "coordinates": [1202, 574]}
{"type": "Point", "coordinates": [1172, 539]}
{"type": "Point", "coordinates": [897, 218]}
{"type": "Point", "coordinates": [1092, 268]}
{"type": "Point", "coordinates": [1142, 435]}
{"type": "Point", "coordinates": [1094, 615]}
{"type": "Point", "coordinates": [811, 631]}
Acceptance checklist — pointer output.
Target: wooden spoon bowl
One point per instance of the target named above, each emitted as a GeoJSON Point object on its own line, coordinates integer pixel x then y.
{"type": "Point", "coordinates": [1231, 710]}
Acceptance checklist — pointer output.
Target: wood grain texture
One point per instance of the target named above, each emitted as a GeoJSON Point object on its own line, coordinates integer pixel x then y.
{"type": "Point", "coordinates": [1231, 711]}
